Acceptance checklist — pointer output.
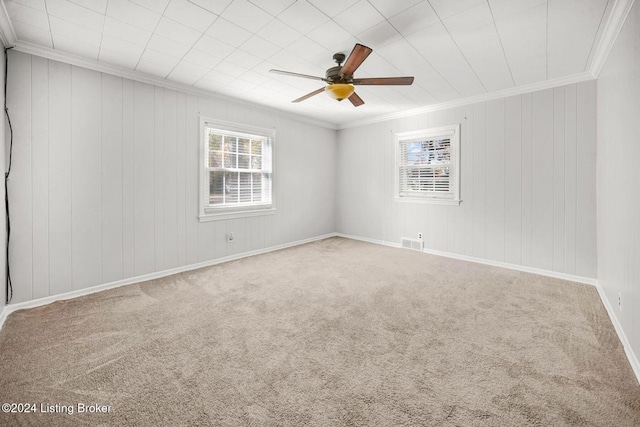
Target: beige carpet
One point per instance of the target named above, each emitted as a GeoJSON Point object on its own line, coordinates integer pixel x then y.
{"type": "Point", "coordinates": [333, 333]}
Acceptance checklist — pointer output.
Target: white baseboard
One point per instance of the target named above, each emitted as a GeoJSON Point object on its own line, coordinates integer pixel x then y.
{"type": "Point", "coordinates": [146, 277]}
{"type": "Point", "coordinates": [633, 360]}
{"type": "Point", "coordinates": [631, 356]}
{"type": "Point", "coordinates": [526, 269]}
{"type": "Point", "coordinates": [3, 315]}
{"type": "Point", "coordinates": [368, 240]}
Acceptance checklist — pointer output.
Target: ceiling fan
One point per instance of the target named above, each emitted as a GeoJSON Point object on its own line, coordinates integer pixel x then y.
{"type": "Point", "coordinates": [340, 78]}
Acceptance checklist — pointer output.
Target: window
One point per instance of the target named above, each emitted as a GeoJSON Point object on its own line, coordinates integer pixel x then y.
{"type": "Point", "coordinates": [428, 165]}
{"type": "Point", "coordinates": [236, 170]}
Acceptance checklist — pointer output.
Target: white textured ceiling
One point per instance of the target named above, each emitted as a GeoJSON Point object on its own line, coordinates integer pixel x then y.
{"type": "Point", "coordinates": [454, 48]}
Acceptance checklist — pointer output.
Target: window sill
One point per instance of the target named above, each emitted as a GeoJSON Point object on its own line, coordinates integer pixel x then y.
{"type": "Point", "coordinates": [218, 216]}
{"type": "Point", "coordinates": [427, 200]}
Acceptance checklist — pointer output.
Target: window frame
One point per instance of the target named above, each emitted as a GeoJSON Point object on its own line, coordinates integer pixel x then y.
{"type": "Point", "coordinates": [213, 213]}
{"type": "Point", "coordinates": [453, 133]}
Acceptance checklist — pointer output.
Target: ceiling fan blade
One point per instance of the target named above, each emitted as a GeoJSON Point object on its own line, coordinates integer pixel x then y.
{"type": "Point", "coordinates": [384, 81]}
{"type": "Point", "coordinates": [309, 95]}
{"type": "Point", "coordinates": [356, 100]}
{"type": "Point", "coordinates": [355, 59]}
{"type": "Point", "coordinates": [306, 76]}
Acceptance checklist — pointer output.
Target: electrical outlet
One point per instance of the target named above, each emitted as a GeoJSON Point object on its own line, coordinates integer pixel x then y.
{"type": "Point", "coordinates": [619, 301]}
{"type": "Point", "coordinates": [420, 236]}
{"type": "Point", "coordinates": [230, 237]}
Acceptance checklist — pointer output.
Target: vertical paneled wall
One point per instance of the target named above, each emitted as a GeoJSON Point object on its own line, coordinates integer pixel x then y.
{"type": "Point", "coordinates": [105, 179]}
{"type": "Point", "coordinates": [527, 182]}
{"type": "Point", "coordinates": [618, 178]}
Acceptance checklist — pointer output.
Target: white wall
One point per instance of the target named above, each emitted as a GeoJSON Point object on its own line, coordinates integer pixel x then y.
{"type": "Point", "coordinates": [618, 178]}
{"type": "Point", "coordinates": [527, 185]}
{"type": "Point", "coordinates": [105, 179]}
{"type": "Point", "coordinates": [3, 216]}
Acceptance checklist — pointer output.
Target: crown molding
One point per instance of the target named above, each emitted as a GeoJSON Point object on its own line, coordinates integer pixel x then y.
{"type": "Point", "coordinates": [7, 33]}
{"type": "Point", "coordinates": [56, 55]}
{"type": "Point", "coordinates": [68, 58]}
{"type": "Point", "coordinates": [504, 93]}
{"type": "Point", "coordinates": [619, 12]}
{"type": "Point", "coordinates": [615, 21]}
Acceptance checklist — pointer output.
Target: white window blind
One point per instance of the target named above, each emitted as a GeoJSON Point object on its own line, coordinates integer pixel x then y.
{"type": "Point", "coordinates": [238, 167]}
{"type": "Point", "coordinates": [236, 170]}
{"type": "Point", "coordinates": [427, 164]}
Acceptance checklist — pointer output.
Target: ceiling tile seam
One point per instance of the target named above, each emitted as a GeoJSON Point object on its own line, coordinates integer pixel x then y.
{"type": "Point", "coordinates": [264, 10]}
{"type": "Point", "coordinates": [504, 52]}
{"type": "Point", "coordinates": [206, 10]}
{"type": "Point", "coordinates": [395, 14]}
{"type": "Point", "coordinates": [146, 8]}
{"type": "Point", "coordinates": [421, 56]}
{"type": "Point", "coordinates": [316, 8]}
{"type": "Point", "coordinates": [104, 22]}
{"type": "Point", "coordinates": [330, 19]}
{"type": "Point", "coordinates": [236, 48]}
{"type": "Point", "coordinates": [70, 22]}
{"type": "Point", "coordinates": [305, 35]}
{"type": "Point", "coordinates": [401, 35]}
{"type": "Point", "coordinates": [46, 9]}
{"type": "Point", "coordinates": [7, 32]}
{"type": "Point", "coordinates": [151, 36]}
{"type": "Point", "coordinates": [434, 68]}
{"type": "Point", "coordinates": [355, 36]}
{"type": "Point", "coordinates": [223, 59]}
{"type": "Point", "coordinates": [289, 7]}
{"type": "Point", "coordinates": [595, 36]}
{"type": "Point", "coordinates": [193, 44]}
{"type": "Point", "coordinates": [275, 18]}
{"type": "Point", "coordinates": [458, 47]}
{"type": "Point", "coordinates": [84, 7]}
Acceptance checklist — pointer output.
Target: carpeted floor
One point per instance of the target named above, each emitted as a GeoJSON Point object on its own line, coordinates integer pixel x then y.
{"type": "Point", "coordinates": [332, 333]}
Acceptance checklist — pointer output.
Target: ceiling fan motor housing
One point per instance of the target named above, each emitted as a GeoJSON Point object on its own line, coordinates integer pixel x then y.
{"type": "Point", "coordinates": [333, 75]}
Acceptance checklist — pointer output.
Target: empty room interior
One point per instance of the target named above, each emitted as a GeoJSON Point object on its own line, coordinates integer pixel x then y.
{"type": "Point", "coordinates": [320, 212]}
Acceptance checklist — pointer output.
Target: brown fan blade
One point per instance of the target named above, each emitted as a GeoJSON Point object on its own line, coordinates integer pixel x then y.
{"type": "Point", "coordinates": [384, 81]}
{"type": "Point", "coordinates": [355, 59]}
{"type": "Point", "coordinates": [309, 95]}
{"type": "Point", "coordinates": [356, 100]}
{"type": "Point", "coordinates": [289, 73]}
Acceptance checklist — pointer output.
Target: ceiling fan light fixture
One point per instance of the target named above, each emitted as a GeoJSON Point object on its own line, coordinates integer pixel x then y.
{"type": "Point", "coordinates": [339, 91]}
{"type": "Point", "coordinates": [341, 81]}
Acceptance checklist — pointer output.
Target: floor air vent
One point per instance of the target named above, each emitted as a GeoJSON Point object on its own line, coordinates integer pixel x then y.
{"type": "Point", "coordinates": [414, 244]}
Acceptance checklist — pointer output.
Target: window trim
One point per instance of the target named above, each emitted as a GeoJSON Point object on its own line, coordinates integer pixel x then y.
{"type": "Point", "coordinates": [455, 157]}
{"type": "Point", "coordinates": [208, 213]}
